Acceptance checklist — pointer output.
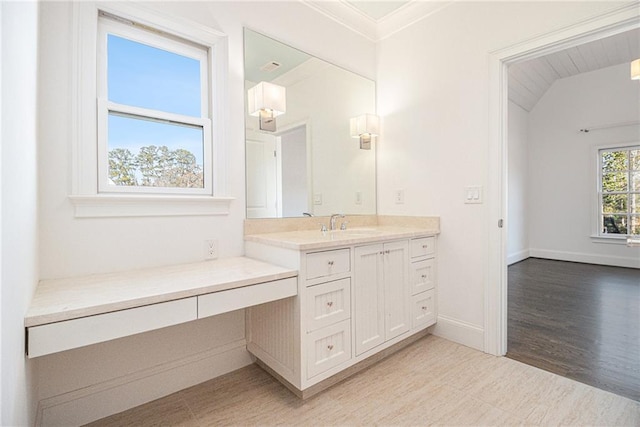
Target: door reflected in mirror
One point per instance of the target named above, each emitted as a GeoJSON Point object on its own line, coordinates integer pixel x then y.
{"type": "Point", "coordinates": [310, 164]}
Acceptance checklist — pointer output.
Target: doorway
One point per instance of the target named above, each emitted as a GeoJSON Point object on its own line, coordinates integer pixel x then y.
{"type": "Point", "coordinates": [623, 19]}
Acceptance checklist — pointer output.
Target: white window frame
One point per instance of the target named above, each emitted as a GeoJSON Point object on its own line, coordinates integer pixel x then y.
{"type": "Point", "coordinates": [106, 26]}
{"type": "Point", "coordinates": [597, 235]}
{"type": "Point", "coordinates": [90, 198]}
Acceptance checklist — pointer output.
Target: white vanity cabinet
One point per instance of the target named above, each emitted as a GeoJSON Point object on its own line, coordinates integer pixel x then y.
{"type": "Point", "coordinates": [423, 281]}
{"type": "Point", "coordinates": [354, 300]}
{"type": "Point", "coordinates": [382, 294]}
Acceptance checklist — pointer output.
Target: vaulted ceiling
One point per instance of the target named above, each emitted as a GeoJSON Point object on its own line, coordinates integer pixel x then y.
{"type": "Point", "coordinates": [529, 80]}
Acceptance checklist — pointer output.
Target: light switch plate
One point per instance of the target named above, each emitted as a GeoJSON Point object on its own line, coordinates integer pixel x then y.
{"type": "Point", "coordinates": [317, 199]}
{"type": "Point", "coordinates": [473, 194]}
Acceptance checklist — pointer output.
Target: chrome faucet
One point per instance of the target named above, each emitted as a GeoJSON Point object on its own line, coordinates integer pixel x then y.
{"type": "Point", "coordinates": [332, 221]}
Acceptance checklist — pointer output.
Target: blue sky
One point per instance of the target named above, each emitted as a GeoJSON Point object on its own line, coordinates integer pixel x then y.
{"type": "Point", "coordinates": [144, 76]}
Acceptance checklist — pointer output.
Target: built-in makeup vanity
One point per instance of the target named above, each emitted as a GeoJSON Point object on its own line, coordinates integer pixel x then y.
{"type": "Point", "coordinates": [363, 293]}
{"type": "Point", "coordinates": [74, 312]}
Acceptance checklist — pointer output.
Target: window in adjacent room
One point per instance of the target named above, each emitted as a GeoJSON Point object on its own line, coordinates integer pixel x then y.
{"type": "Point", "coordinates": [154, 123]}
{"type": "Point", "coordinates": [619, 190]}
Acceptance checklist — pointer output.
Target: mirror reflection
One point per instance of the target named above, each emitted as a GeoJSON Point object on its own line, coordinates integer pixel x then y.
{"type": "Point", "coordinates": [304, 161]}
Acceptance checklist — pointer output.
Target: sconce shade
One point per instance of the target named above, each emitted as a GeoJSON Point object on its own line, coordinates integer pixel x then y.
{"type": "Point", "coordinates": [635, 70]}
{"type": "Point", "coordinates": [366, 124]}
{"type": "Point", "coordinates": [267, 97]}
{"type": "Point", "coordinates": [365, 127]}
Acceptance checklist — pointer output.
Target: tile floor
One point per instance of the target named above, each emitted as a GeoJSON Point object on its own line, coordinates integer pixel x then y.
{"type": "Point", "coordinates": [431, 382]}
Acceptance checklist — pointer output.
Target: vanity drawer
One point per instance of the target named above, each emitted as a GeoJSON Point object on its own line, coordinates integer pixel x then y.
{"type": "Point", "coordinates": [328, 303]}
{"type": "Point", "coordinates": [424, 309]}
{"type": "Point", "coordinates": [327, 263]}
{"type": "Point", "coordinates": [68, 334]}
{"type": "Point", "coordinates": [423, 246]}
{"type": "Point", "coordinates": [328, 347]}
{"type": "Point", "coordinates": [246, 296]}
{"type": "Point", "coordinates": [422, 275]}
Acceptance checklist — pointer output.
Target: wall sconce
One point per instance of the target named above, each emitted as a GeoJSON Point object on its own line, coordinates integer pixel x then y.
{"type": "Point", "coordinates": [365, 127]}
{"type": "Point", "coordinates": [267, 101]}
{"type": "Point", "coordinates": [635, 70]}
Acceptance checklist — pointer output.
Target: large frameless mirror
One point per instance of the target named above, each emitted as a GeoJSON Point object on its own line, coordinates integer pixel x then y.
{"type": "Point", "coordinates": [304, 161]}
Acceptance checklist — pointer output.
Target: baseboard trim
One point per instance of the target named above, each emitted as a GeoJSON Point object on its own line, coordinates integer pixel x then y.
{"type": "Point", "coordinates": [119, 394]}
{"type": "Point", "coordinates": [615, 261]}
{"type": "Point", "coordinates": [517, 256]}
{"type": "Point", "coordinates": [461, 332]}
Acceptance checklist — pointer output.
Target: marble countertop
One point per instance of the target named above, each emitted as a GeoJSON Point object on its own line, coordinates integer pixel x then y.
{"type": "Point", "coordinates": [316, 239]}
{"type": "Point", "coordinates": [70, 298]}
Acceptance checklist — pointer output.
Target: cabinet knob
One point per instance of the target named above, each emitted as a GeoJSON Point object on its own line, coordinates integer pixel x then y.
{"type": "Point", "coordinates": [330, 262]}
{"type": "Point", "coordinates": [330, 347]}
{"type": "Point", "coordinates": [424, 308]}
{"type": "Point", "coordinates": [330, 303]}
{"type": "Point", "coordinates": [387, 251]}
{"type": "Point", "coordinates": [424, 276]}
{"type": "Point", "coordinates": [425, 246]}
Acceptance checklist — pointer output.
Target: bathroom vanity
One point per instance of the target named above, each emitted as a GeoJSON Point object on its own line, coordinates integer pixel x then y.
{"type": "Point", "coordinates": [362, 293]}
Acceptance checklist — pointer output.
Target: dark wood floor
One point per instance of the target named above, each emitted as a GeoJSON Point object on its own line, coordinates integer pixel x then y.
{"type": "Point", "coordinates": [581, 321]}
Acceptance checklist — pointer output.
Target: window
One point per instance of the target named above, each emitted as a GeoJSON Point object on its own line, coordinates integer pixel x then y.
{"type": "Point", "coordinates": [149, 110]}
{"type": "Point", "coordinates": [154, 129]}
{"type": "Point", "coordinates": [619, 190]}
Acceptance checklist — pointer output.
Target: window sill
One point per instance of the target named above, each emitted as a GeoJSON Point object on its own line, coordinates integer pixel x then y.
{"type": "Point", "coordinates": [610, 240]}
{"type": "Point", "coordinates": [110, 205]}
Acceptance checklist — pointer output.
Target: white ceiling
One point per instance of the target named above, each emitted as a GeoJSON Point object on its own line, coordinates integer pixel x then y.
{"type": "Point", "coordinates": [529, 80]}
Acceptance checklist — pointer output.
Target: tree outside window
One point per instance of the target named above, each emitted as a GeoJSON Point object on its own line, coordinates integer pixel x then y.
{"type": "Point", "coordinates": [620, 191]}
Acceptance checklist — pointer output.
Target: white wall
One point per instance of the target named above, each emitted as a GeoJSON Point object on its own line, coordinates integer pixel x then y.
{"type": "Point", "coordinates": [518, 185]}
{"type": "Point", "coordinates": [80, 385]}
{"type": "Point", "coordinates": [19, 38]}
{"type": "Point", "coordinates": [562, 162]}
{"type": "Point", "coordinates": [433, 80]}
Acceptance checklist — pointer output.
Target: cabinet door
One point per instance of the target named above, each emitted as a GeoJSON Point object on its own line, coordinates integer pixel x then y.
{"type": "Point", "coordinates": [397, 291]}
{"type": "Point", "coordinates": [368, 297]}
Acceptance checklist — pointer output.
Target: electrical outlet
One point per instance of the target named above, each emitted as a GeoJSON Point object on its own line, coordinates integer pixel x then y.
{"type": "Point", "coordinates": [358, 197]}
{"type": "Point", "coordinates": [399, 197]}
{"type": "Point", "coordinates": [210, 249]}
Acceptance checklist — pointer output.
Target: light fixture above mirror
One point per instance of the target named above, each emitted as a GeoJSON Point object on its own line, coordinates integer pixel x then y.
{"type": "Point", "coordinates": [365, 127]}
{"type": "Point", "coordinates": [267, 101]}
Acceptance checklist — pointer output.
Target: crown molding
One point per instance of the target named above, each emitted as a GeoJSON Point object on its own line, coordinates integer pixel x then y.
{"type": "Point", "coordinates": [347, 15]}
{"type": "Point", "coordinates": [375, 30]}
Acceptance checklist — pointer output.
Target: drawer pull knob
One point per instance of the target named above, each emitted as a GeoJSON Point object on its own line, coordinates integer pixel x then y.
{"type": "Point", "coordinates": [424, 308]}
{"type": "Point", "coordinates": [330, 303]}
{"type": "Point", "coordinates": [424, 276]}
{"type": "Point", "coordinates": [425, 246]}
{"type": "Point", "coordinates": [330, 262]}
{"type": "Point", "coordinates": [330, 347]}
{"type": "Point", "coordinates": [387, 251]}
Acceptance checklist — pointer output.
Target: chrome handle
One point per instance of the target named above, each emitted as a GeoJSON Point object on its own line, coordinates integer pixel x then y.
{"type": "Point", "coordinates": [330, 347]}
{"type": "Point", "coordinates": [330, 304]}
{"type": "Point", "coordinates": [330, 262]}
